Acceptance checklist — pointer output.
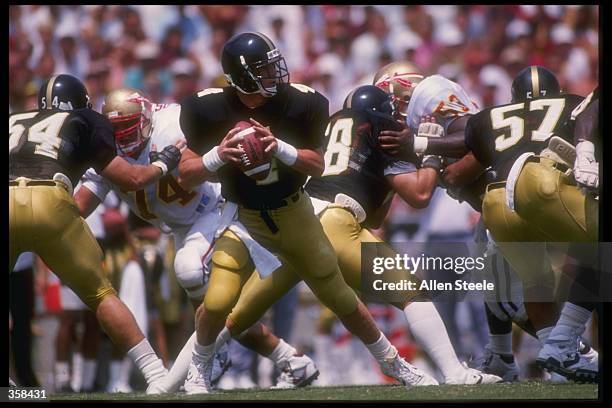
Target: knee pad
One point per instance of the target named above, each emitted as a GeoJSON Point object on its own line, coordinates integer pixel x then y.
{"type": "Point", "coordinates": [334, 293]}
{"type": "Point", "coordinates": [189, 272]}
{"type": "Point", "coordinates": [230, 252]}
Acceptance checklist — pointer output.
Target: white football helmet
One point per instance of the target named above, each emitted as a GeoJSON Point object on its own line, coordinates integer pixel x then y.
{"type": "Point", "coordinates": [130, 114]}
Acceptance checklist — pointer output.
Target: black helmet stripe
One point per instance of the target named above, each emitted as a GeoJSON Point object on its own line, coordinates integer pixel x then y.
{"type": "Point", "coordinates": [535, 81]}
{"type": "Point", "coordinates": [49, 91]}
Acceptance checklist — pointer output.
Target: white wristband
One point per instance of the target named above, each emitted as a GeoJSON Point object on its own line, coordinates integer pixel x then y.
{"type": "Point", "coordinates": [162, 166]}
{"type": "Point", "coordinates": [420, 144]}
{"type": "Point", "coordinates": [286, 153]}
{"type": "Point", "coordinates": [211, 160]}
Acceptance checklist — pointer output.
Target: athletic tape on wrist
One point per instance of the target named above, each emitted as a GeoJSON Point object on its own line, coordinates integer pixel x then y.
{"type": "Point", "coordinates": [286, 153]}
{"type": "Point", "coordinates": [162, 166]}
{"type": "Point", "coordinates": [420, 144]}
{"type": "Point", "coordinates": [212, 161]}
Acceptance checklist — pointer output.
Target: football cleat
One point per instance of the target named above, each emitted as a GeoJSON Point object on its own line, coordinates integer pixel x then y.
{"type": "Point", "coordinates": [501, 365]}
{"type": "Point", "coordinates": [199, 377]}
{"type": "Point", "coordinates": [471, 376]}
{"type": "Point", "coordinates": [300, 371]}
{"type": "Point", "coordinates": [561, 354]}
{"type": "Point", "coordinates": [407, 374]}
{"type": "Point", "coordinates": [221, 363]}
{"type": "Point", "coordinates": [118, 388]}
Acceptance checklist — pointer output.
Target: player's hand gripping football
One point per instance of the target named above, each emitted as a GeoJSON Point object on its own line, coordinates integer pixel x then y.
{"type": "Point", "coordinates": [266, 137]}
{"type": "Point", "coordinates": [228, 148]}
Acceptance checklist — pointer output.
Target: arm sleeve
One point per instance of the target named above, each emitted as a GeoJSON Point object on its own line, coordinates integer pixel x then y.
{"type": "Point", "coordinates": [477, 140]}
{"type": "Point", "coordinates": [317, 119]}
{"type": "Point", "coordinates": [102, 144]}
{"type": "Point", "coordinates": [399, 167]}
{"type": "Point", "coordinates": [191, 124]}
{"type": "Point", "coordinates": [96, 184]}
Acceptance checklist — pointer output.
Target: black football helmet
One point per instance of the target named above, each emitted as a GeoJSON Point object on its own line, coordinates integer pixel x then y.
{"type": "Point", "coordinates": [253, 64]}
{"type": "Point", "coordinates": [534, 82]}
{"type": "Point", "coordinates": [370, 98]}
{"type": "Point", "coordinates": [63, 92]}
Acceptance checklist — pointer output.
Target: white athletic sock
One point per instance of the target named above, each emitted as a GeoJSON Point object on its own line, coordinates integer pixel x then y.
{"type": "Point", "coordinates": [147, 362]}
{"type": "Point", "coordinates": [573, 319]}
{"type": "Point", "coordinates": [501, 343]}
{"type": "Point", "coordinates": [62, 374]}
{"type": "Point", "coordinates": [222, 338]}
{"type": "Point", "coordinates": [178, 371]}
{"type": "Point", "coordinates": [381, 348]}
{"type": "Point", "coordinates": [76, 381]}
{"type": "Point", "coordinates": [428, 329]}
{"type": "Point", "coordinates": [203, 353]}
{"type": "Point", "coordinates": [282, 353]}
{"type": "Point", "coordinates": [543, 334]}
{"type": "Point", "coordinates": [89, 374]}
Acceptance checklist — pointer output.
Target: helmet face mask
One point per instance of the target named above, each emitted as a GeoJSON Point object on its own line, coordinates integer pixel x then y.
{"type": "Point", "coordinates": [252, 64]}
{"type": "Point", "coordinates": [399, 79]}
{"type": "Point", "coordinates": [130, 114]}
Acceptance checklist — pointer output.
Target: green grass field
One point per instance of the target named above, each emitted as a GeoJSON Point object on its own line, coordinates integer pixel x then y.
{"type": "Point", "coordinates": [524, 391]}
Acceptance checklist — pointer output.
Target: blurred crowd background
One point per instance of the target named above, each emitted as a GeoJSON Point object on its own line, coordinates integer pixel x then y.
{"type": "Point", "coordinates": [170, 52]}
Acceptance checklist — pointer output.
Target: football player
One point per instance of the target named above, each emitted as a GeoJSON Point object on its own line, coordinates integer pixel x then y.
{"type": "Point", "coordinates": [353, 193]}
{"type": "Point", "coordinates": [291, 119]}
{"type": "Point", "coordinates": [527, 143]}
{"type": "Point", "coordinates": [49, 150]}
{"type": "Point", "coordinates": [561, 352]}
{"type": "Point", "coordinates": [193, 216]}
{"type": "Point", "coordinates": [465, 180]}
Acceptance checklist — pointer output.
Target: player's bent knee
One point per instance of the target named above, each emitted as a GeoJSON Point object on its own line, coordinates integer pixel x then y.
{"type": "Point", "coordinates": [190, 272]}
{"type": "Point", "coordinates": [334, 293]}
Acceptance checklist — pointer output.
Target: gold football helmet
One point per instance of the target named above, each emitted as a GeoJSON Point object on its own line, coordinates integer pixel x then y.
{"type": "Point", "coordinates": [130, 114]}
{"type": "Point", "coordinates": [399, 80]}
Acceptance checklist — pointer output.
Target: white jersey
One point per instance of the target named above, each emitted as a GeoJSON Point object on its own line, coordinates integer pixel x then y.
{"type": "Point", "coordinates": [165, 203]}
{"type": "Point", "coordinates": [439, 97]}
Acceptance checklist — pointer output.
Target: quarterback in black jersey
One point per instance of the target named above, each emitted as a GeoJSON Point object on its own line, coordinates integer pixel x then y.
{"type": "Point", "coordinates": [49, 150]}
{"type": "Point", "coordinates": [358, 182]}
{"type": "Point", "coordinates": [290, 119]}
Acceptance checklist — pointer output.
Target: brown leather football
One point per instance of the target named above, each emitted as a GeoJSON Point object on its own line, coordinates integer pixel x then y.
{"type": "Point", "coordinates": [254, 163]}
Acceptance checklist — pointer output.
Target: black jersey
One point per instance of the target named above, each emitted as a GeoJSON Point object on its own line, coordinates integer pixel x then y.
{"type": "Point", "coordinates": [355, 164]}
{"type": "Point", "coordinates": [45, 142]}
{"type": "Point", "coordinates": [499, 135]}
{"type": "Point", "coordinates": [297, 115]}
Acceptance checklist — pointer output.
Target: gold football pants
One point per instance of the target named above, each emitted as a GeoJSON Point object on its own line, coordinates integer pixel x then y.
{"type": "Point", "coordinates": [304, 250]}
{"type": "Point", "coordinates": [44, 219]}
{"type": "Point", "coordinates": [346, 235]}
{"type": "Point", "coordinates": [551, 202]}
{"type": "Point", "coordinates": [517, 240]}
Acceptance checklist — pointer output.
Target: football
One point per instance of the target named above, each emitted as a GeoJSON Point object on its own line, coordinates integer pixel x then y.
{"type": "Point", "coordinates": [254, 163]}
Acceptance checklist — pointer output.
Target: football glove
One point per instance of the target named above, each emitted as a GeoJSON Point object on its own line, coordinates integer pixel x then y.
{"type": "Point", "coordinates": [586, 168]}
{"type": "Point", "coordinates": [167, 159]}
